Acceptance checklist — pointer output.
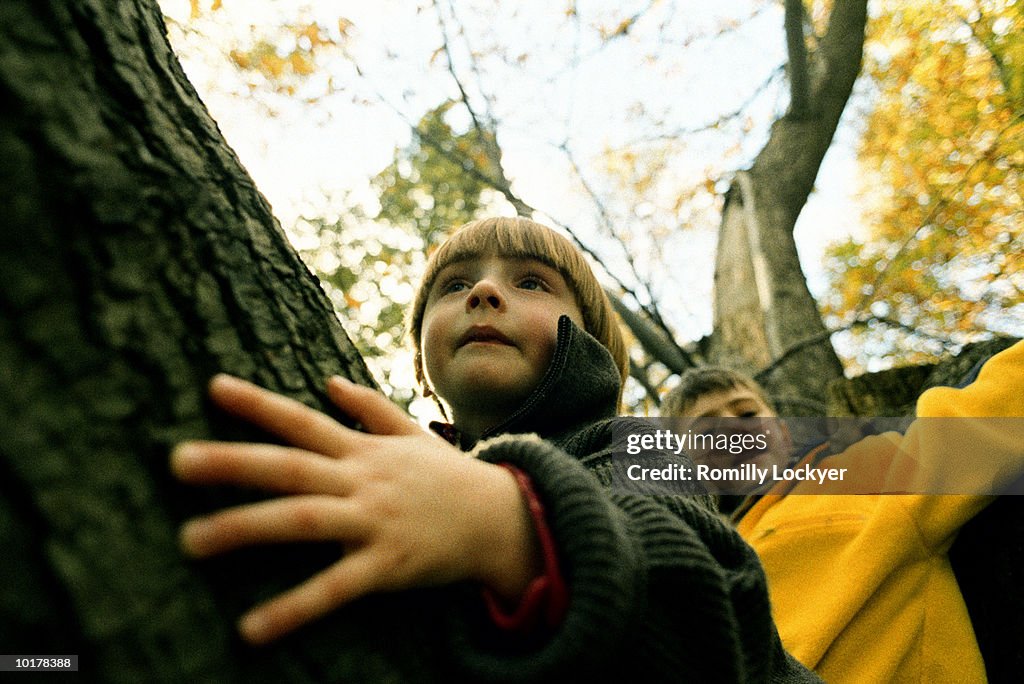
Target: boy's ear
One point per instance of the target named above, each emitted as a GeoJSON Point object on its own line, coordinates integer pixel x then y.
{"type": "Point", "coordinates": [427, 390]}
{"type": "Point", "coordinates": [417, 368]}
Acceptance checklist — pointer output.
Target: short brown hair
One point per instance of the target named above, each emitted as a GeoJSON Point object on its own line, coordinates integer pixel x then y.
{"type": "Point", "coordinates": [522, 238]}
{"type": "Point", "coordinates": [696, 382]}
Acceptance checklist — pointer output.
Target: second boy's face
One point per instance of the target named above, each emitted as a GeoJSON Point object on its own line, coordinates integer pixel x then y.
{"type": "Point", "coordinates": [489, 331]}
{"type": "Point", "coordinates": [736, 402]}
{"type": "Point", "coordinates": [741, 403]}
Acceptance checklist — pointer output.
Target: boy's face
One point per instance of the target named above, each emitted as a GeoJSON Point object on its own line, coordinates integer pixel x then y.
{"type": "Point", "coordinates": [736, 402]}
{"type": "Point", "coordinates": [489, 330]}
{"type": "Point", "coordinates": [759, 418]}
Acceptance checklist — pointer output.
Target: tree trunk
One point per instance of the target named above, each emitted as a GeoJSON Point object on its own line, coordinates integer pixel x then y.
{"type": "Point", "coordinates": [138, 259]}
{"type": "Point", "coordinates": [894, 392]}
{"type": "Point", "coordinates": [765, 317]}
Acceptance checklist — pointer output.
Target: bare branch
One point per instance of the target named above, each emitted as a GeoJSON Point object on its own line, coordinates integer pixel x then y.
{"type": "Point", "coordinates": [796, 347]}
{"type": "Point", "coordinates": [500, 184]}
{"type": "Point", "coordinates": [720, 121]}
{"type": "Point", "coordinates": [626, 25]}
{"type": "Point", "coordinates": [622, 30]}
{"type": "Point", "coordinates": [640, 375]}
{"type": "Point", "coordinates": [504, 187]}
{"type": "Point", "coordinates": [485, 133]}
{"type": "Point", "coordinates": [654, 340]}
{"type": "Point", "coordinates": [789, 161]}
{"type": "Point", "coordinates": [606, 224]}
{"type": "Point", "coordinates": [524, 209]}
{"type": "Point", "coordinates": [473, 66]}
{"type": "Point", "coordinates": [1005, 74]}
{"type": "Point", "coordinates": [728, 27]}
{"type": "Point", "coordinates": [799, 87]}
{"type": "Point", "coordinates": [841, 50]}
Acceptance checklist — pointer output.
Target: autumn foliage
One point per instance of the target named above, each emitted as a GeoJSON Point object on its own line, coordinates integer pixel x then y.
{"type": "Point", "coordinates": [942, 161]}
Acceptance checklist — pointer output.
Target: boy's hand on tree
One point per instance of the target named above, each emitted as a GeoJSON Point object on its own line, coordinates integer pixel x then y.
{"type": "Point", "coordinates": [409, 509]}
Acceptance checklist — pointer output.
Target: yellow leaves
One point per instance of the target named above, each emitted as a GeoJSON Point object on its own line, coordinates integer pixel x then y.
{"type": "Point", "coordinates": [313, 34]}
{"type": "Point", "coordinates": [620, 29]}
{"type": "Point", "coordinates": [241, 59]}
{"type": "Point", "coordinates": [301, 64]}
{"type": "Point", "coordinates": [941, 170]}
{"type": "Point", "coordinates": [271, 64]}
{"type": "Point", "coordinates": [312, 37]}
{"type": "Point", "coordinates": [195, 10]}
{"type": "Point", "coordinates": [261, 58]}
{"type": "Point", "coordinates": [623, 27]}
{"type": "Point", "coordinates": [287, 59]}
{"type": "Point", "coordinates": [635, 171]}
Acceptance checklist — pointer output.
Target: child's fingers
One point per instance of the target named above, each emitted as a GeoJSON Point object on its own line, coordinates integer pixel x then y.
{"type": "Point", "coordinates": [370, 408]}
{"type": "Point", "coordinates": [292, 420]}
{"type": "Point", "coordinates": [265, 466]}
{"type": "Point", "coordinates": [292, 519]}
{"type": "Point", "coordinates": [348, 579]}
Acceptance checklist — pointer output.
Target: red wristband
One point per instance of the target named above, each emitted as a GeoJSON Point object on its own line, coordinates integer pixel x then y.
{"type": "Point", "coordinates": [546, 598]}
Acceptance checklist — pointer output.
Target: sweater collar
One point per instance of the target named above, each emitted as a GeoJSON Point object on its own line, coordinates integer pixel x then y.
{"type": "Point", "coordinates": [581, 385]}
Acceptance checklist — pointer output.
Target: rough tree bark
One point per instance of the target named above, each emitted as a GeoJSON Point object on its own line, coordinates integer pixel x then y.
{"type": "Point", "coordinates": [763, 309]}
{"type": "Point", "coordinates": [138, 259]}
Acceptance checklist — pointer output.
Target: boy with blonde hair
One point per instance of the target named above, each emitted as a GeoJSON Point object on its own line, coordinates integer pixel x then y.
{"type": "Point", "coordinates": [709, 393]}
{"type": "Point", "coordinates": [861, 584]}
{"type": "Point", "coordinates": [514, 334]}
{"type": "Point", "coordinates": [718, 392]}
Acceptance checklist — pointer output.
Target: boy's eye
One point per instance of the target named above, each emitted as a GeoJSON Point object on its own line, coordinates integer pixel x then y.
{"type": "Point", "coordinates": [454, 286]}
{"type": "Point", "coordinates": [748, 414]}
{"type": "Point", "coordinates": [531, 283]}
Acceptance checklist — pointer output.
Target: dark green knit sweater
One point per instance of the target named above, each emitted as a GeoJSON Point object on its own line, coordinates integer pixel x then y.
{"type": "Point", "coordinates": [660, 589]}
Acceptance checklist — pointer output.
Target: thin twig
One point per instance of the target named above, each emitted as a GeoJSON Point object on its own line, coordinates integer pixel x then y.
{"type": "Point", "coordinates": [800, 345]}
{"type": "Point", "coordinates": [717, 123]}
{"type": "Point", "coordinates": [606, 223]}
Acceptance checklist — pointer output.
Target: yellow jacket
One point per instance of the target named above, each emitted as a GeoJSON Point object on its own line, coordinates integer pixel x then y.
{"type": "Point", "coordinates": [861, 586]}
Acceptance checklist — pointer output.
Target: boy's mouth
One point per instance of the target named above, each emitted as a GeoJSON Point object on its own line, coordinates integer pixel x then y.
{"type": "Point", "coordinates": [484, 334]}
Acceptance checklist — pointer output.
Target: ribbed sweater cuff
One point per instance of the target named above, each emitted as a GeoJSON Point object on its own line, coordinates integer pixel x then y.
{"type": "Point", "coordinates": [600, 562]}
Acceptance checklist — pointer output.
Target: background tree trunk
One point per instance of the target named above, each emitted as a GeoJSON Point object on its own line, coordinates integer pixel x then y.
{"type": "Point", "coordinates": [894, 392]}
{"type": "Point", "coordinates": [138, 259]}
{"type": "Point", "coordinates": [765, 317]}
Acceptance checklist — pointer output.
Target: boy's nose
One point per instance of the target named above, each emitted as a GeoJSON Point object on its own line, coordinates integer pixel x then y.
{"type": "Point", "coordinates": [485, 293]}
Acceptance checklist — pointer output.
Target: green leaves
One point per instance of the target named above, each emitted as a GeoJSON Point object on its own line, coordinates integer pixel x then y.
{"type": "Point", "coordinates": [440, 180]}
